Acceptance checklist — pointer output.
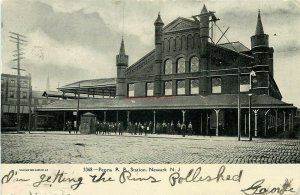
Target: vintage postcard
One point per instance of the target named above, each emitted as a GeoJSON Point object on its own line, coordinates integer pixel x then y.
{"type": "Point", "coordinates": [150, 97]}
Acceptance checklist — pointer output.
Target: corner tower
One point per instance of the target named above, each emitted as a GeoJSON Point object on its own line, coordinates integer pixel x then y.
{"type": "Point", "coordinates": [122, 64]}
{"type": "Point", "coordinates": [158, 55]}
{"type": "Point", "coordinates": [204, 36]}
{"type": "Point", "coordinates": [262, 53]}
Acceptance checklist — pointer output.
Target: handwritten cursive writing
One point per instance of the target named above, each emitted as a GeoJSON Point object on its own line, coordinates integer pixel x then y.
{"type": "Point", "coordinates": [59, 178]}
{"type": "Point", "coordinates": [96, 179]}
{"type": "Point", "coordinates": [195, 176]}
{"type": "Point", "coordinates": [126, 175]}
{"type": "Point", "coordinates": [11, 177]}
{"type": "Point", "coordinates": [256, 188]}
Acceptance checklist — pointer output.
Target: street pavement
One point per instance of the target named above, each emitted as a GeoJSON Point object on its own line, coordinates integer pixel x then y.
{"type": "Point", "coordinates": [62, 147]}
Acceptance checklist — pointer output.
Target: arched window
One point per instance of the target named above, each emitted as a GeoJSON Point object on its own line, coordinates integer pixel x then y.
{"type": "Point", "coordinates": [168, 66]}
{"type": "Point", "coordinates": [181, 65]}
{"type": "Point", "coordinates": [194, 64]}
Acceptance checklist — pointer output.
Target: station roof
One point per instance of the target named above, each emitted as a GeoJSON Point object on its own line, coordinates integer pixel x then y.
{"type": "Point", "coordinates": [106, 87]}
{"type": "Point", "coordinates": [166, 103]}
{"type": "Point", "coordinates": [235, 46]}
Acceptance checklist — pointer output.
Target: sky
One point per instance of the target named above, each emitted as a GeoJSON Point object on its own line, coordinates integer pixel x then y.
{"type": "Point", "coordinates": [75, 40]}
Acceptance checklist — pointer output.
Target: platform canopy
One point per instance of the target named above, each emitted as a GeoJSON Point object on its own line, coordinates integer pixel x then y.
{"type": "Point", "coordinates": [102, 87]}
{"type": "Point", "coordinates": [168, 103]}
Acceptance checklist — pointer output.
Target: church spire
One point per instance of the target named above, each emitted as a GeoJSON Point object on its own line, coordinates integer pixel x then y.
{"type": "Point", "coordinates": [259, 26]}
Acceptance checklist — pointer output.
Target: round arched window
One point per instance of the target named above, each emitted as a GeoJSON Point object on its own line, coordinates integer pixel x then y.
{"type": "Point", "coordinates": [194, 64]}
{"type": "Point", "coordinates": [168, 66]}
{"type": "Point", "coordinates": [181, 65]}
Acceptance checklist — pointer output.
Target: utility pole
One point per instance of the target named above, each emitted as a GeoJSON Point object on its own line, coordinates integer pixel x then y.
{"type": "Point", "coordinates": [19, 40]}
{"type": "Point", "coordinates": [77, 115]}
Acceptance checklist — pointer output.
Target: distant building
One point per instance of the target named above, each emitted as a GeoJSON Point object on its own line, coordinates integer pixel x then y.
{"type": "Point", "coordinates": [9, 100]}
{"type": "Point", "coordinates": [188, 77]}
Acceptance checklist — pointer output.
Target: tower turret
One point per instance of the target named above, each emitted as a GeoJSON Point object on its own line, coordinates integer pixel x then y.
{"type": "Point", "coordinates": [122, 64]}
{"type": "Point", "coordinates": [158, 55]}
{"type": "Point", "coordinates": [262, 53]}
{"type": "Point", "coordinates": [260, 39]}
{"type": "Point", "coordinates": [204, 36]}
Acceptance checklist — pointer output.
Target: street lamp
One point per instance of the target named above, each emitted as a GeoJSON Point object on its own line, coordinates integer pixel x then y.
{"type": "Point", "coordinates": [252, 73]}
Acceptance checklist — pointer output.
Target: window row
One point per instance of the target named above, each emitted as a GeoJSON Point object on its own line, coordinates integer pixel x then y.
{"type": "Point", "coordinates": [180, 65]}
{"type": "Point", "coordinates": [13, 94]}
{"type": "Point", "coordinates": [216, 84]}
{"type": "Point", "coordinates": [178, 43]}
{"type": "Point", "coordinates": [216, 87]}
{"type": "Point", "coordinates": [180, 87]}
{"type": "Point", "coordinates": [12, 83]}
{"type": "Point", "coordinates": [149, 89]}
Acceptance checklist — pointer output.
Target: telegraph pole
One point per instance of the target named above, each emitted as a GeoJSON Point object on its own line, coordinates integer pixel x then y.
{"type": "Point", "coordinates": [77, 115]}
{"type": "Point", "coordinates": [19, 40]}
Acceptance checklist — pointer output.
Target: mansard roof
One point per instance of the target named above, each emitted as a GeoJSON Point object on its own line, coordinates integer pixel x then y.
{"type": "Point", "coordinates": [180, 24]}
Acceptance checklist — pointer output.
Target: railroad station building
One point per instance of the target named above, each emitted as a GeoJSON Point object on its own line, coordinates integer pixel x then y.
{"type": "Point", "coordinates": [188, 77]}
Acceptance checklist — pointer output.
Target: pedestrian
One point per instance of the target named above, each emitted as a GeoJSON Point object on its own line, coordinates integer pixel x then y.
{"type": "Point", "coordinates": [115, 128]}
{"type": "Point", "coordinates": [158, 128]}
{"type": "Point", "coordinates": [104, 128]}
{"type": "Point", "coordinates": [164, 127]}
{"type": "Point", "coordinates": [190, 128]}
{"type": "Point", "coordinates": [135, 128]}
{"type": "Point", "coordinates": [120, 128]}
{"type": "Point", "coordinates": [140, 128]}
{"type": "Point", "coordinates": [172, 128]}
{"type": "Point", "coordinates": [183, 129]}
{"type": "Point", "coordinates": [178, 128]}
{"type": "Point", "coordinates": [147, 128]}
{"type": "Point", "coordinates": [69, 126]}
{"type": "Point", "coordinates": [151, 130]}
{"type": "Point", "coordinates": [168, 128]}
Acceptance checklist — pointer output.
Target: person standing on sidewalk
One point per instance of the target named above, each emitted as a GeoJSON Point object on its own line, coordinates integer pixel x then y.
{"type": "Point", "coordinates": [178, 128]}
{"type": "Point", "coordinates": [183, 129]}
{"type": "Point", "coordinates": [190, 128]}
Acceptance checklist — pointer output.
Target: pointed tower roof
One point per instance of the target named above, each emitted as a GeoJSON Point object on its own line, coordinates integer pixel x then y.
{"type": "Point", "coordinates": [158, 20]}
{"type": "Point", "coordinates": [122, 58]}
{"type": "Point", "coordinates": [259, 26]}
{"type": "Point", "coordinates": [204, 10]}
{"type": "Point", "coordinates": [122, 48]}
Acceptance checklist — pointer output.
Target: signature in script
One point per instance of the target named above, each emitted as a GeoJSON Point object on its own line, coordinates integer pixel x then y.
{"type": "Point", "coordinates": [257, 188]}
